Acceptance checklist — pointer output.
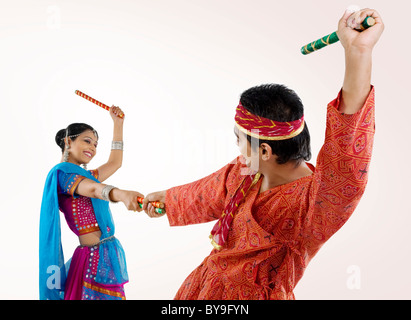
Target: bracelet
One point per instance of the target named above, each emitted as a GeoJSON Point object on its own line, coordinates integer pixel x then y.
{"type": "Point", "coordinates": [105, 193]}
{"type": "Point", "coordinates": [117, 145]}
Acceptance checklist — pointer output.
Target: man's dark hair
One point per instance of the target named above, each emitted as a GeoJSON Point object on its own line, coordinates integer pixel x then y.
{"type": "Point", "coordinates": [279, 103]}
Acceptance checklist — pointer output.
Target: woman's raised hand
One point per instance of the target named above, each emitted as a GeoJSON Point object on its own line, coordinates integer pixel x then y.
{"type": "Point", "coordinates": [115, 113]}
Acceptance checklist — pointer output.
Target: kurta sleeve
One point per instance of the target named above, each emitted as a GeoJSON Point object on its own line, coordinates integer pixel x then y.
{"type": "Point", "coordinates": [341, 171]}
{"type": "Point", "coordinates": [202, 200]}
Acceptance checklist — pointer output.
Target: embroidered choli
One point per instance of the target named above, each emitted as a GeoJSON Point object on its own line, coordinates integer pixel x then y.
{"type": "Point", "coordinates": [78, 210]}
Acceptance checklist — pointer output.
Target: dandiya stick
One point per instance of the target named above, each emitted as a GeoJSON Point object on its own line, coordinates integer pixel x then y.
{"type": "Point", "coordinates": [157, 204]}
{"type": "Point", "coordinates": [332, 38]}
{"type": "Point", "coordinates": [100, 104]}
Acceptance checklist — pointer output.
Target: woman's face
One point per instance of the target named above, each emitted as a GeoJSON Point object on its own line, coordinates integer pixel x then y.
{"type": "Point", "coordinates": [83, 148]}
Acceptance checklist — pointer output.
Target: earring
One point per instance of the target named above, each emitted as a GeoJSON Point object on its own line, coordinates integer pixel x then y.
{"type": "Point", "coordinates": [84, 166]}
{"type": "Point", "coordinates": [66, 154]}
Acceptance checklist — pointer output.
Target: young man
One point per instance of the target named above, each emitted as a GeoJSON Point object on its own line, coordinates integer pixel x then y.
{"type": "Point", "coordinates": [274, 210]}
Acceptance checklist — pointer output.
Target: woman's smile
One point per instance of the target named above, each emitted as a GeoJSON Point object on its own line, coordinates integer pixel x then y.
{"type": "Point", "coordinates": [88, 154]}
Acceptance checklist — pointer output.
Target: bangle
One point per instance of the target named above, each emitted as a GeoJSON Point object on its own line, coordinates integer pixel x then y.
{"type": "Point", "coordinates": [105, 193]}
{"type": "Point", "coordinates": [117, 145]}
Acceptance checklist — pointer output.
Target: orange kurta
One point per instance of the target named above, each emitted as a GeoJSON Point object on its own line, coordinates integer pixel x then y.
{"type": "Point", "coordinates": [276, 233]}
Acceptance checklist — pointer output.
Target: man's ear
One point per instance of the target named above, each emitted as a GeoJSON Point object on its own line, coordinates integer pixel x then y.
{"type": "Point", "coordinates": [266, 152]}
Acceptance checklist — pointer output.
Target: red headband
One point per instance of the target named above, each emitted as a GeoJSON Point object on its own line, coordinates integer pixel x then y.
{"type": "Point", "coordinates": [266, 129]}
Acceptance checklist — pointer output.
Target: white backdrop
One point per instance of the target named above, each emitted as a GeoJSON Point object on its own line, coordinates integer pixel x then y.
{"type": "Point", "coordinates": [177, 68]}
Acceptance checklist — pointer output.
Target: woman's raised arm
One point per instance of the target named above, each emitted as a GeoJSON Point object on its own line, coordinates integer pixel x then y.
{"type": "Point", "coordinates": [115, 159]}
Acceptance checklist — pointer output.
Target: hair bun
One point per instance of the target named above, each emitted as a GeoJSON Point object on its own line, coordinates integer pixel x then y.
{"type": "Point", "coordinates": [61, 134]}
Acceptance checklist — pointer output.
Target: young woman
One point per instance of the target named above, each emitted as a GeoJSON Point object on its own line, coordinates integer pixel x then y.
{"type": "Point", "coordinates": [98, 267]}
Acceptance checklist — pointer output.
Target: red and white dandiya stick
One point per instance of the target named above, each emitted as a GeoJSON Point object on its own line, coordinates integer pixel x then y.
{"type": "Point", "coordinates": [100, 104]}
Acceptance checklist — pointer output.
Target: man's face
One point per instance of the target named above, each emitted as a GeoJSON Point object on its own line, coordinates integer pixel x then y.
{"type": "Point", "coordinates": [250, 153]}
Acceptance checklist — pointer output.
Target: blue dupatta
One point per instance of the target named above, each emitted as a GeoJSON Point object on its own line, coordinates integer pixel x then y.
{"type": "Point", "coordinates": [112, 268]}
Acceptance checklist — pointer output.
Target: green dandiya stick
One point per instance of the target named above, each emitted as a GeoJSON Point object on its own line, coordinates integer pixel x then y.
{"type": "Point", "coordinates": [332, 38]}
{"type": "Point", "coordinates": [159, 206]}
{"type": "Point", "coordinates": [158, 210]}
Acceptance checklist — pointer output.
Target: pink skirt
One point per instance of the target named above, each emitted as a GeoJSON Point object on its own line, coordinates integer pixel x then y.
{"type": "Point", "coordinates": [80, 284]}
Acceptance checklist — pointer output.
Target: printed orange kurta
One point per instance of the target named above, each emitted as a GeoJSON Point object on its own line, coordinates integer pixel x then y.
{"type": "Point", "coordinates": [276, 233]}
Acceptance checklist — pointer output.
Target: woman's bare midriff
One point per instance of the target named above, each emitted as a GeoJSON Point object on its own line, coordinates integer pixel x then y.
{"type": "Point", "coordinates": [90, 239]}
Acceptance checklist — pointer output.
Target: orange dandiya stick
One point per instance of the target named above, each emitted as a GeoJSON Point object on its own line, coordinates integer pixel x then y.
{"type": "Point", "coordinates": [157, 204]}
{"type": "Point", "coordinates": [100, 104]}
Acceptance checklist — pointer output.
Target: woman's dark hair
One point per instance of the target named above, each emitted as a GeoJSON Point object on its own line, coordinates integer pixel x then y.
{"type": "Point", "coordinates": [279, 103]}
{"type": "Point", "coordinates": [73, 130]}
